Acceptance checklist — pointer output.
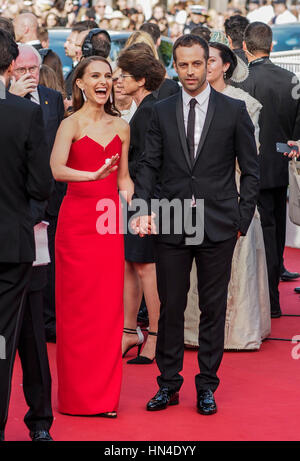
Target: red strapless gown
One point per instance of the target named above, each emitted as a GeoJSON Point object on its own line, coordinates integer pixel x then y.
{"type": "Point", "coordinates": [89, 289]}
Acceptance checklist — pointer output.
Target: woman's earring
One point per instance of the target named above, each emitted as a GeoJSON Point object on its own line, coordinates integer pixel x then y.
{"type": "Point", "coordinates": [111, 99]}
{"type": "Point", "coordinates": [224, 75]}
{"type": "Point", "coordinates": [83, 95]}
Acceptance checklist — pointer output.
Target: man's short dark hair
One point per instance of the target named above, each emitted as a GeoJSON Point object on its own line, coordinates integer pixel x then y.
{"type": "Point", "coordinates": [7, 24]}
{"type": "Point", "coordinates": [152, 29]}
{"type": "Point", "coordinates": [258, 37]}
{"type": "Point", "coordinates": [234, 28]}
{"type": "Point", "coordinates": [101, 45]}
{"type": "Point", "coordinates": [8, 50]}
{"type": "Point", "coordinates": [189, 40]}
{"type": "Point", "coordinates": [202, 31]}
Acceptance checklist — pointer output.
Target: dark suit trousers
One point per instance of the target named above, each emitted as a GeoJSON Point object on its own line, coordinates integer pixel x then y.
{"type": "Point", "coordinates": [21, 323]}
{"type": "Point", "coordinates": [272, 210]}
{"type": "Point", "coordinates": [174, 263]}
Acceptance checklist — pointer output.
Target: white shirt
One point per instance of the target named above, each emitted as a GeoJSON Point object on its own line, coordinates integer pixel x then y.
{"type": "Point", "coordinates": [35, 96]}
{"type": "Point", "coordinates": [200, 111]}
{"type": "Point", "coordinates": [128, 114]}
{"type": "Point", "coordinates": [285, 18]}
{"type": "Point", "coordinates": [33, 42]}
{"type": "Point", "coordinates": [263, 14]}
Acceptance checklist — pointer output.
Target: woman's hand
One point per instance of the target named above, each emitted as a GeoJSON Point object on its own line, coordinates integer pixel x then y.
{"type": "Point", "coordinates": [126, 189]}
{"type": "Point", "coordinates": [295, 152]}
{"type": "Point", "coordinates": [106, 169]}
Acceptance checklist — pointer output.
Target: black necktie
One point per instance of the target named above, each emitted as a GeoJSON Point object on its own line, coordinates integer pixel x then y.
{"type": "Point", "coordinates": [28, 96]}
{"type": "Point", "coordinates": [191, 129]}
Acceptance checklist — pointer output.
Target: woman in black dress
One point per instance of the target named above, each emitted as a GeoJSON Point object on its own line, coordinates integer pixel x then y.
{"type": "Point", "coordinates": [141, 74]}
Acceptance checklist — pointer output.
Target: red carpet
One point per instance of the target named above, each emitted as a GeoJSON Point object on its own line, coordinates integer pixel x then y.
{"type": "Point", "coordinates": [258, 397]}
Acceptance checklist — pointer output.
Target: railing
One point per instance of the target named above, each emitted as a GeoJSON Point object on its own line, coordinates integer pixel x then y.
{"type": "Point", "coordinates": [289, 60]}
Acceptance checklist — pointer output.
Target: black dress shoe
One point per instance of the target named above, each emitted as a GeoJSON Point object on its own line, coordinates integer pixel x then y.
{"type": "Point", "coordinates": [297, 290]}
{"type": "Point", "coordinates": [163, 399]}
{"type": "Point", "coordinates": [2, 436]}
{"type": "Point", "coordinates": [287, 276]}
{"type": "Point", "coordinates": [40, 436]}
{"type": "Point", "coordinates": [206, 404]}
{"type": "Point", "coordinates": [276, 314]}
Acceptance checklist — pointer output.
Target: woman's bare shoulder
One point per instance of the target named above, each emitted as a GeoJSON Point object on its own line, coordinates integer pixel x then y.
{"type": "Point", "coordinates": [122, 127]}
{"type": "Point", "coordinates": [70, 124]}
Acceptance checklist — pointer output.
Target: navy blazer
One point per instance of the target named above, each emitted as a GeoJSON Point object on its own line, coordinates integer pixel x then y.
{"type": "Point", "coordinates": [52, 106]}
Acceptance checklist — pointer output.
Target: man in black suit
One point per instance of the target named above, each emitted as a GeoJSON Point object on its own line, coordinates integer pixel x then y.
{"type": "Point", "coordinates": [279, 121]}
{"type": "Point", "coordinates": [26, 75]}
{"type": "Point", "coordinates": [192, 145]}
{"type": "Point", "coordinates": [26, 30]}
{"type": "Point", "coordinates": [234, 28]}
{"type": "Point", "coordinates": [24, 175]}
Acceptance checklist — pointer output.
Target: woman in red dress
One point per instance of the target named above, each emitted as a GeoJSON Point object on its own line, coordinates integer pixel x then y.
{"type": "Point", "coordinates": [90, 154]}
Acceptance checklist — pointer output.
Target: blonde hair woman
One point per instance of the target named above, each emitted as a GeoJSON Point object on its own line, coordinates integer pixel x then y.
{"type": "Point", "coordinates": [141, 36]}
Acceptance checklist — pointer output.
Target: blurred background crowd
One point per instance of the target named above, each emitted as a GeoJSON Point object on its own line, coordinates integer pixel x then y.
{"type": "Point", "coordinates": [172, 17]}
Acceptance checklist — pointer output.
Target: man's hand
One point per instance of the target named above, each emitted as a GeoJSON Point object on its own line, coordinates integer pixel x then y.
{"type": "Point", "coordinates": [25, 84]}
{"type": "Point", "coordinates": [293, 153]}
{"type": "Point", "coordinates": [144, 225]}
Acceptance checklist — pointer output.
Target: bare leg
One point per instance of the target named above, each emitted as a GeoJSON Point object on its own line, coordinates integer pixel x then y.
{"type": "Point", "coordinates": [133, 293]}
{"type": "Point", "coordinates": [147, 276]}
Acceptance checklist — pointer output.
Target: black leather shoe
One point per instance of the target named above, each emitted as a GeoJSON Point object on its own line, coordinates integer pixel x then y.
{"type": "Point", "coordinates": [287, 276]}
{"type": "Point", "coordinates": [206, 404]}
{"type": "Point", "coordinates": [297, 290]}
{"type": "Point", "coordinates": [2, 436]}
{"type": "Point", "coordinates": [162, 399]}
{"type": "Point", "coordinates": [276, 314]}
{"type": "Point", "coordinates": [40, 436]}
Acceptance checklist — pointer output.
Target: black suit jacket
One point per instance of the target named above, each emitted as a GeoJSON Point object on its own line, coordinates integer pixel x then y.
{"type": "Point", "coordinates": [24, 174]}
{"type": "Point", "coordinates": [279, 120]}
{"type": "Point", "coordinates": [52, 106]}
{"type": "Point", "coordinates": [228, 134]}
{"type": "Point", "coordinates": [166, 89]}
{"type": "Point", "coordinates": [138, 128]}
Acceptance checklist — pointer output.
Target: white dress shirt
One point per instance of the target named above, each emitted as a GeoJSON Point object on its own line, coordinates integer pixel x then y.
{"type": "Point", "coordinates": [200, 111]}
{"type": "Point", "coordinates": [35, 96]}
{"type": "Point", "coordinates": [285, 18]}
{"type": "Point", "coordinates": [200, 116]}
{"type": "Point", "coordinates": [262, 14]}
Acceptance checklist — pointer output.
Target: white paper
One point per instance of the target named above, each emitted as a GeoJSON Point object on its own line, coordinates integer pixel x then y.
{"type": "Point", "coordinates": [41, 244]}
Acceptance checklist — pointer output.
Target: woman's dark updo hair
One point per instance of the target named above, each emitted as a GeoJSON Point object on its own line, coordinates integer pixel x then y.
{"type": "Point", "coordinates": [78, 99]}
{"type": "Point", "coordinates": [227, 56]}
{"type": "Point", "coordinates": [138, 60]}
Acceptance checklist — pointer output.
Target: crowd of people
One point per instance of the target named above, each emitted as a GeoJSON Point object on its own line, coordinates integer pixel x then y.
{"type": "Point", "coordinates": [179, 17]}
{"type": "Point", "coordinates": [112, 132]}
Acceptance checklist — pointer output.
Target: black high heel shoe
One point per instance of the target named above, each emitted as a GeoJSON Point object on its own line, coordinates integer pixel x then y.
{"type": "Point", "coordinates": [140, 341]}
{"type": "Point", "coordinates": [141, 359]}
